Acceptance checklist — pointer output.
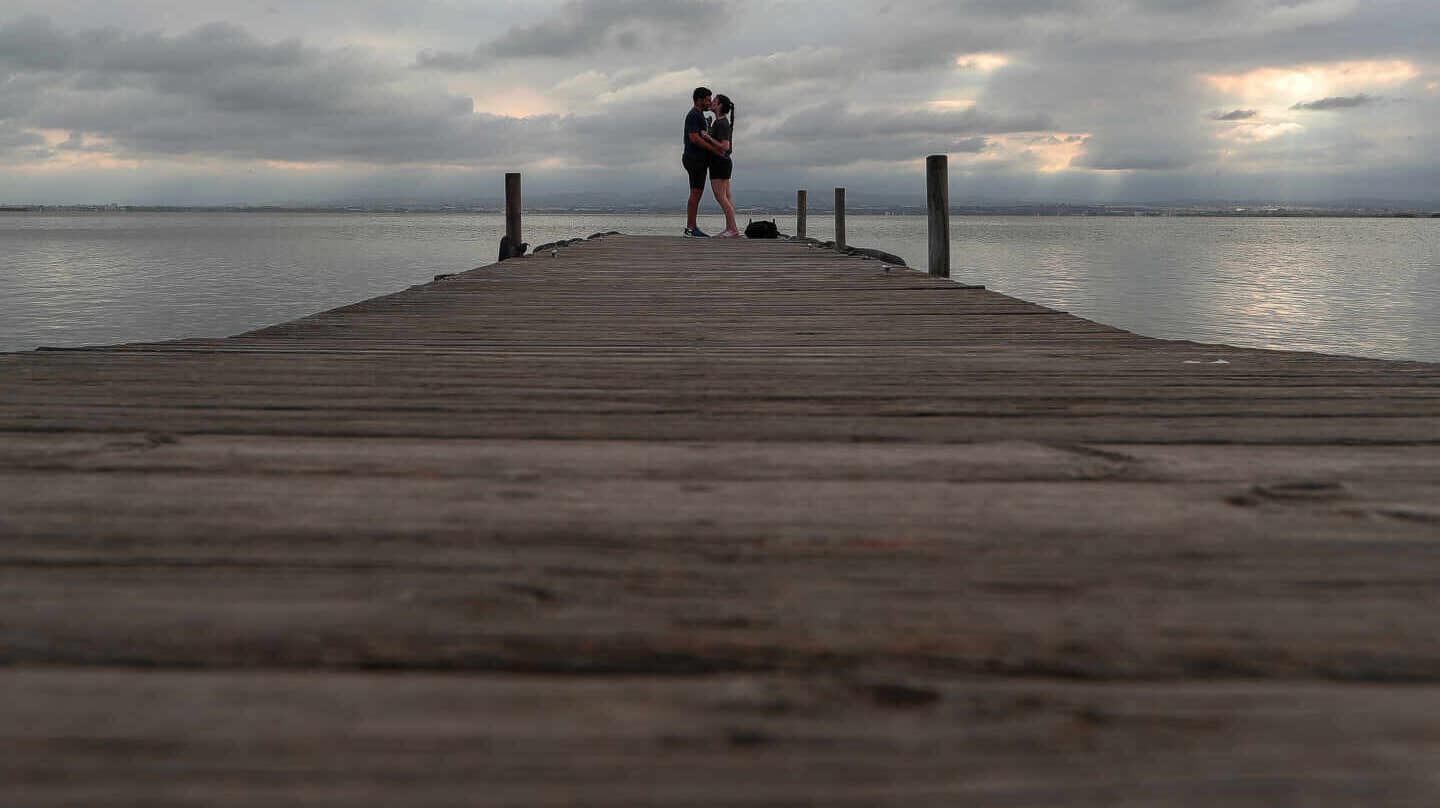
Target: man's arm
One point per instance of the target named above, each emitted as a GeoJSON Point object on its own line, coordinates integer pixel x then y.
{"type": "Point", "coordinates": [703, 141]}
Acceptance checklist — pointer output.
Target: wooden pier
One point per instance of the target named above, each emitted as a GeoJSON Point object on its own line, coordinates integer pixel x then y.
{"type": "Point", "coordinates": [663, 522]}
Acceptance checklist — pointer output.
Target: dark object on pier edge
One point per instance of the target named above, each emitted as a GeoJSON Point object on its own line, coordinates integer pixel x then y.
{"type": "Point", "coordinates": [762, 229]}
{"type": "Point", "coordinates": [881, 255]}
{"type": "Point", "coordinates": [511, 250]}
{"type": "Point", "coordinates": [554, 245]}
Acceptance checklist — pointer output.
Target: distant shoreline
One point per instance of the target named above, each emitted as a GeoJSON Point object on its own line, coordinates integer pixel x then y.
{"type": "Point", "coordinates": [1040, 210]}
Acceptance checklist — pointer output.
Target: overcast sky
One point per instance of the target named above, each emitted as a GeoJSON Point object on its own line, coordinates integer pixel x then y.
{"type": "Point", "coordinates": [1078, 100]}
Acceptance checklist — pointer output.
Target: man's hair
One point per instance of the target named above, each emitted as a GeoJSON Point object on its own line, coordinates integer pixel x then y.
{"type": "Point", "coordinates": [700, 92]}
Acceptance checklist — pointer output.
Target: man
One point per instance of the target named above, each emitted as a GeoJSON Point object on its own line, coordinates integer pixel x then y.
{"type": "Point", "coordinates": [696, 158]}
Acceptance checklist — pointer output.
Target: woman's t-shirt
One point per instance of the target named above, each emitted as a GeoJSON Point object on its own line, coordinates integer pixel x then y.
{"type": "Point", "coordinates": [720, 130]}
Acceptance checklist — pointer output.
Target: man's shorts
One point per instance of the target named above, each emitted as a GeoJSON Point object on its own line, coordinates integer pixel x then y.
{"type": "Point", "coordinates": [696, 165]}
{"type": "Point", "coordinates": [721, 167]}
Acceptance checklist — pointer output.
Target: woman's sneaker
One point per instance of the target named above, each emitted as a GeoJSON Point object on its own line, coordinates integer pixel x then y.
{"type": "Point", "coordinates": [695, 232]}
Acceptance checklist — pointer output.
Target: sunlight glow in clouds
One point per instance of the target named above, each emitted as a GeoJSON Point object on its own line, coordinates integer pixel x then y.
{"type": "Point", "coordinates": [509, 102]}
{"type": "Point", "coordinates": [1284, 86]}
{"type": "Point", "coordinates": [67, 153]}
{"type": "Point", "coordinates": [1046, 154]}
{"type": "Point", "coordinates": [1260, 132]}
{"type": "Point", "coordinates": [1058, 153]}
{"type": "Point", "coordinates": [983, 62]}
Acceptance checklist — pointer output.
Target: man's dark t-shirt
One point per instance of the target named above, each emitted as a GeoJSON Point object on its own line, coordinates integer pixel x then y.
{"type": "Point", "coordinates": [694, 122]}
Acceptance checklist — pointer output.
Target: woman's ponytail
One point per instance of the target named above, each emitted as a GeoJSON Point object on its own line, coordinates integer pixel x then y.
{"type": "Point", "coordinates": [727, 107]}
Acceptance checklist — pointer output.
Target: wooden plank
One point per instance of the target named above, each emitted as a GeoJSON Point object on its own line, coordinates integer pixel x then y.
{"type": "Point", "coordinates": [1018, 461]}
{"type": "Point", "coordinates": [1021, 558]}
{"type": "Point", "coordinates": [158, 738]}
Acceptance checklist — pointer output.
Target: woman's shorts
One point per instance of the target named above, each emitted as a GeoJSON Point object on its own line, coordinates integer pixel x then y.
{"type": "Point", "coordinates": [721, 167]}
{"type": "Point", "coordinates": [696, 167]}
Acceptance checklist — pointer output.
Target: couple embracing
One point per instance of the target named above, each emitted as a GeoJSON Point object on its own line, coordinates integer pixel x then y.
{"type": "Point", "coordinates": [707, 150]}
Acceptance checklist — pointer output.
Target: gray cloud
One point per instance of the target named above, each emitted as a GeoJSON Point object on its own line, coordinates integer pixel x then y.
{"type": "Point", "coordinates": [830, 122]}
{"type": "Point", "coordinates": [1234, 115]}
{"type": "Point", "coordinates": [158, 96]}
{"type": "Point", "coordinates": [1337, 102]}
{"type": "Point", "coordinates": [219, 91]}
{"type": "Point", "coordinates": [452, 60]}
{"type": "Point", "coordinates": [833, 136]}
{"type": "Point", "coordinates": [585, 26]}
{"type": "Point", "coordinates": [21, 145]}
{"type": "Point", "coordinates": [35, 44]}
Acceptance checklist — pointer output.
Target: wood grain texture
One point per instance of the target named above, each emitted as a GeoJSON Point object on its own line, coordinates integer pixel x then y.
{"type": "Point", "coordinates": [657, 521]}
{"type": "Point", "coordinates": [236, 739]}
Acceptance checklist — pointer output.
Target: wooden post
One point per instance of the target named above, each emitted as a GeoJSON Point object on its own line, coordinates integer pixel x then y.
{"type": "Point", "coordinates": [937, 198]}
{"type": "Point", "coordinates": [839, 218]}
{"type": "Point", "coordinates": [800, 214]}
{"type": "Point", "coordinates": [512, 208]}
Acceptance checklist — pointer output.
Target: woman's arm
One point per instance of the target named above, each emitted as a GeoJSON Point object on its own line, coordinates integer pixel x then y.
{"type": "Point", "coordinates": [713, 145]}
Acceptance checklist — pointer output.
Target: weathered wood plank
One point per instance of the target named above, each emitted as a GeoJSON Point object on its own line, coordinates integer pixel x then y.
{"type": "Point", "coordinates": [159, 739]}
{"type": "Point", "coordinates": [980, 558]}
{"type": "Point", "coordinates": [1018, 461]}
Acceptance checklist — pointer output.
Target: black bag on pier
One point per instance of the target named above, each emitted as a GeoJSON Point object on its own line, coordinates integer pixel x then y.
{"type": "Point", "coordinates": [762, 230]}
{"type": "Point", "coordinates": [509, 250]}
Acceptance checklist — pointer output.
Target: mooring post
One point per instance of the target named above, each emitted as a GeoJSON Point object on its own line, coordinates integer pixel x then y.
{"type": "Point", "coordinates": [800, 214]}
{"type": "Point", "coordinates": [839, 218]}
{"type": "Point", "coordinates": [512, 208]}
{"type": "Point", "coordinates": [937, 197]}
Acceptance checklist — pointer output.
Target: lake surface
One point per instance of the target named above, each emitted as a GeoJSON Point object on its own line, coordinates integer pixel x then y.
{"type": "Point", "coordinates": [1365, 287]}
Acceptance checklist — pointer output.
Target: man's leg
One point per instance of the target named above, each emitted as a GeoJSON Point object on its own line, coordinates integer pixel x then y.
{"type": "Point", "coordinates": [697, 168]}
{"type": "Point", "coordinates": [693, 208]}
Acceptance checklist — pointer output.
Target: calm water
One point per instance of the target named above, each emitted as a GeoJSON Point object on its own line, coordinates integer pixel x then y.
{"type": "Point", "coordinates": [1368, 287]}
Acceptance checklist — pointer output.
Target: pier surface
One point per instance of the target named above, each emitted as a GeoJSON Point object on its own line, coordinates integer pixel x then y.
{"type": "Point", "coordinates": [665, 522]}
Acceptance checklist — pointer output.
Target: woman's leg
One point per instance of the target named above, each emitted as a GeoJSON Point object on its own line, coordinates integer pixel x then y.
{"type": "Point", "coordinates": [722, 197]}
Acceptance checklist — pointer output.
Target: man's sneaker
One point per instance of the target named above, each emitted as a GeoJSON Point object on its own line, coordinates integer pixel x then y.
{"type": "Point", "coordinates": [695, 232]}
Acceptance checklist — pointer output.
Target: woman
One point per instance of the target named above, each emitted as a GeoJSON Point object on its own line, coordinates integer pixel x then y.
{"type": "Point", "coordinates": [721, 133]}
